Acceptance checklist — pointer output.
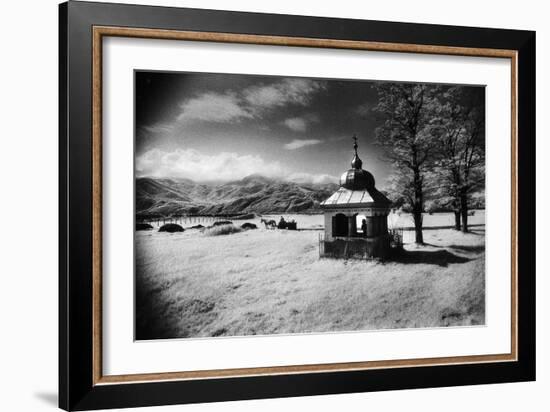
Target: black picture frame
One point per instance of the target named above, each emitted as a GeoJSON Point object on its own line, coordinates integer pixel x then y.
{"type": "Point", "coordinates": [77, 390]}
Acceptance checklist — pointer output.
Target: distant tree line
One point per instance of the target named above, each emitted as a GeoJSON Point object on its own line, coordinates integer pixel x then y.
{"type": "Point", "coordinates": [434, 136]}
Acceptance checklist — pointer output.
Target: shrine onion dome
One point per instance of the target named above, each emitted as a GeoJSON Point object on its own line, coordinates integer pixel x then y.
{"type": "Point", "coordinates": [356, 189]}
{"type": "Point", "coordinates": [356, 178]}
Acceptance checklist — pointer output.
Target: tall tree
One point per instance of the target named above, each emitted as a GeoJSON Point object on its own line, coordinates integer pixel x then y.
{"type": "Point", "coordinates": [459, 128]}
{"type": "Point", "coordinates": [407, 110]}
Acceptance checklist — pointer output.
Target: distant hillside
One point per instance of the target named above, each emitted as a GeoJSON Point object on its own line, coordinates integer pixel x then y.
{"type": "Point", "coordinates": [253, 194]}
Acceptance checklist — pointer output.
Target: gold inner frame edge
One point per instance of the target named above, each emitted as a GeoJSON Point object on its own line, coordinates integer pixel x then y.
{"type": "Point", "coordinates": [99, 32]}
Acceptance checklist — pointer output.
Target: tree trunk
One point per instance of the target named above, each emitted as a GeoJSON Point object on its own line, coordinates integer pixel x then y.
{"type": "Point", "coordinates": [417, 207]}
{"type": "Point", "coordinates": [418, 236]}
{"type": "Point", "coordinates": [457, 219]}
{"type": "Point", "coordinates": [464, 211]}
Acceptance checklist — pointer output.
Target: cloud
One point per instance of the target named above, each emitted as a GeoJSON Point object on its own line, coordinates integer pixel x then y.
{"type": "Point", "coordinates": [159, 128]}
{"type": "Point", "coordinates": [364, 109]}
{"type": "Point", "coordinates": [214, 107]}
{"type": "Point", "coordinates": [299, 143]}
{"type": "Point", "coordinates": [300, 124]}
{"type": "Point", "coordinates": [223, 167]}
{"type": "Point", "coordinates": [312, 178]}
{"type": "Point", "coordinates": [296, 124]}
{"type": "Point", "coordinates": [234, 106]}
{"type": "Point", "coordinates": [198, 166]}
{"type": "Point", "coordinates": [282, 93]}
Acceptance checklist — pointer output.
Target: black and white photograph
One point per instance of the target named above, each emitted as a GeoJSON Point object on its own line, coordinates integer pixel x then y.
{"type": "Point", "coordinates": [275, 206]}
{"type": "Point", "coordinates": [281, 205]}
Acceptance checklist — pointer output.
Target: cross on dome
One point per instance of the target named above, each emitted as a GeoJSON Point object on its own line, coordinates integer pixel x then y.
{"type": "Point", "coordinates": [356, 163]}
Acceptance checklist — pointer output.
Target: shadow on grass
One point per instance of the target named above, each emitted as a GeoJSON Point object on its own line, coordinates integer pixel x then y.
{"type": "Point", "coordinates": [468, 248]}
{"type": "Point", "coordinates": [411, 228]}
{"type": "Point", "coordinates": [477, 232]}
{"type": "Point", "coordinates": [435, 257]}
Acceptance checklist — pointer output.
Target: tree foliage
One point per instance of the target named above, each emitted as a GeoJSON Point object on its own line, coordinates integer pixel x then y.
{"type": "Point", "coordinates": [459, 168]}
{"type": "Point", "coordinates": [407, 112]}
{"type": "Point", "coordinates": [434, 137]}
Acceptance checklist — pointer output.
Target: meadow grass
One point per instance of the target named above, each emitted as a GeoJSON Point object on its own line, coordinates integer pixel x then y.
{"type": "Point", "coordinates": [273, 282]}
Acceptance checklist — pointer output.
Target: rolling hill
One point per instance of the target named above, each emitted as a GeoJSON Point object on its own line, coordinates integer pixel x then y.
{"type": "Point", "coordinates": [253, 194]}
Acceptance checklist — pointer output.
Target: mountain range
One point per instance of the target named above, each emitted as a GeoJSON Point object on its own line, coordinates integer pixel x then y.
{"type": "Point", "coordinates": [253, 194]}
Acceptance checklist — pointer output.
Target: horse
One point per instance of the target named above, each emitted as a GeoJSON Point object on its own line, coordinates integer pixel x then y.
{"type": "Point", "coordinates": [269, 224]}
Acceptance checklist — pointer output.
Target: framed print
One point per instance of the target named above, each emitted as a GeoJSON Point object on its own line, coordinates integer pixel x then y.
{"type": "Point", "coordinates": [257, 206]}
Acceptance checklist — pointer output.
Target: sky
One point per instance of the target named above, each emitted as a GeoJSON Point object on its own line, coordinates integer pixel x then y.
{"type": "Point", "coordinates": [223, 127]}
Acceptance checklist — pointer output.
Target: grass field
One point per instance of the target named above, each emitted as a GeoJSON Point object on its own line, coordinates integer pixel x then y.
{"type": "Point", "coordinates": [272, 281]}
